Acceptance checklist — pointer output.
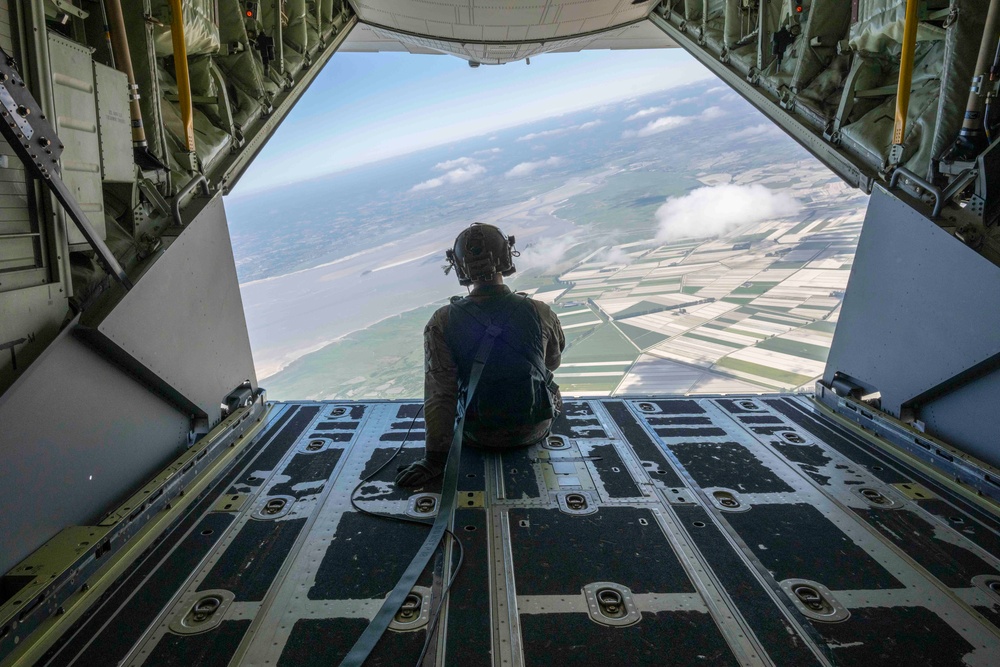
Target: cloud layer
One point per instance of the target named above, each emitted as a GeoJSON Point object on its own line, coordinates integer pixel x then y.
{"type": "Point", "coordinates": [457, 162]}
{"type": "Point", "coordinates": [667, 122]}
{"type": "Point", "coordinates": [547, 254]}
{"type": "Point", "coordinates": [459, 170]}
{"type": "Point", "coordinates": [525, 168]}
{"type": "Point", "coordinates": [560, 130]}
{"type": "Point", "coordinates": [651, 111]}
{"type": "Point", "coordinates": [755, 131]}
{"type": "Point", "coordinates": [659, 125]}
{"type": "Point", "coordinates": [715, 210]}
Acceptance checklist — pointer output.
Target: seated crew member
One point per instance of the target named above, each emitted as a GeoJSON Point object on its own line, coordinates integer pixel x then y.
{"type": "Point", "coordinates": [516, 399]}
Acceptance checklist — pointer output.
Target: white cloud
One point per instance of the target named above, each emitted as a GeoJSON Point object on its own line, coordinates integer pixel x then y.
{"type": "Point", "coordinates": [715, 210]}
{"type": "Point", "coordinates": [546, 253]}
{"type": "Point", "coordinates": [488, 150]}
{"type": "Point", "coordinates": [544, 133]}
{"type": "Point", "coordinates": [659, 125]}
{"type": "Point", "coordinates": [668, 122]}
{"type": "Point", "coordinates": [642, 113]}
{"type": "Point", "coordinates": [453, 177]}
{"type": "Point", "coordinates": [560, 130]}
{"type": "Point", "coordinates": [457, 162]}
{"type": "Point", "coordinates": [755, 131]}
{"type": "Point", "coordinates": [613, 255]}
{"type": "Point", "coordinates": [525, 168]}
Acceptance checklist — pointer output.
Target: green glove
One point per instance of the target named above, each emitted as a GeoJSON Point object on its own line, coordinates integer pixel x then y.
{"type": "Point", "coordinates": [420, 472]}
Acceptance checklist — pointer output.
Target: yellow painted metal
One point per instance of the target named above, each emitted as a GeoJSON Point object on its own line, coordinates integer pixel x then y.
{"type": "Point", "coordinates": [232, 502]}
{"type": "Point", "coordinates": [468, 499]}
{"type": "Point", "coordinates": [963, 490]}
{"type": "Point", "coordinates": [914, 491]}
{"type": "Point", "coordinates": [181, 71]}
{"type": "Point", "coordinates": [57, 555]}
{"type": "Point", "coordinates": [905, 70]}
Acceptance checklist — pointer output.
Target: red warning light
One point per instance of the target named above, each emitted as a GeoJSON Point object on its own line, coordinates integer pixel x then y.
{"type": "Point", "coordinates": [798, 9]}
{"type": "Point", "coordinates": [250, 14]}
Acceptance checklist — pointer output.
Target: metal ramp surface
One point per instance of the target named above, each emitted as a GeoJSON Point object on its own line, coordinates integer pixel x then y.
{"type": "Point", "coordinates": [718, 531]}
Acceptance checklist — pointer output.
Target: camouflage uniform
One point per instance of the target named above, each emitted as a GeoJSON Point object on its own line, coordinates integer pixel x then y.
{"type": "Point", "coordinates": [441, 379]}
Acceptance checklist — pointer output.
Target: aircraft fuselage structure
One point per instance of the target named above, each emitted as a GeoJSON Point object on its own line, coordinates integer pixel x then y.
{"type": "Point", "coordinates": [129, 404]}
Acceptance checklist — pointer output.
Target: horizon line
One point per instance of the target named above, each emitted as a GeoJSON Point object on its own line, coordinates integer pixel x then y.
{"type": "Point", "coordinates": [317, 177]}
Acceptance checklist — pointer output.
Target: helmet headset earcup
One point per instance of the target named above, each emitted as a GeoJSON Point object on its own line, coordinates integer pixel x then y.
{"type": "Point", "coordinates": [480, 252]}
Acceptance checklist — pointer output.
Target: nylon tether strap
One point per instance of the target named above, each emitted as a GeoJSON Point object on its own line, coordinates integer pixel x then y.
{"type": "Point", "coordinates": [446, 507]}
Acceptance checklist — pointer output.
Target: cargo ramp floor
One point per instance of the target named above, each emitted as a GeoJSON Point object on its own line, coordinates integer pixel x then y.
{"type": "Point", "coordinates": [721, 531]}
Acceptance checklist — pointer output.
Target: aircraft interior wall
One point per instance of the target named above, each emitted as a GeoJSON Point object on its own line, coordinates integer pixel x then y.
{"type": "Point", "coordinates": [153, 409]}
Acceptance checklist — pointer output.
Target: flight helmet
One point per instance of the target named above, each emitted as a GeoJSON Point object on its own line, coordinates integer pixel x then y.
{"type": "Point", "coordinates": [480, 252]}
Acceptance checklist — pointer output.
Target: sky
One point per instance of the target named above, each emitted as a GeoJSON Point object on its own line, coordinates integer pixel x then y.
{"type": "Point", "coordinates": [366, 107]}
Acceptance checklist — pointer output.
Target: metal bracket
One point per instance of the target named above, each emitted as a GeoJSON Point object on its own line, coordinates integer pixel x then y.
{"type": "Point", "coordinates": [930, 189]}
{"type": "Point", "coordinates": [10, 345]}
{"type": "Point", "coordinates": [69, 8]}
{"type": "Point", "coordinates": [36, 143]}
{"type": "Point", "coordinates": [153, 196]}
{"type": "Point", "coordinates": [896, 154]}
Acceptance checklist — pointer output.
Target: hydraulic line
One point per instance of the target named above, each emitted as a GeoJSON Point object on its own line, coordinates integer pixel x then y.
{"type": "Point", "coordinates": [971, 137]}
{"type": "Point", "coordinates": [123, 61]}
{"type": "Point", "coordinates": [181, 72]}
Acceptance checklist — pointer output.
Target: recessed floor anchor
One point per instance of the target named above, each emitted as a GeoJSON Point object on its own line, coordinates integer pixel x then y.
{"type": "Point", "coordinates": [577, 502]}
{"type": "Point", "coordinates": [611, 604]}
{"type": "Point", "coordinates": [727, 500]}
{"type": "Point", "coordinates": [988, 584]}
{"type": "Point", "coordinates": [815, 600]}
{"type": "Point", "coordinates": [423, 505]}
{"type": "Point", "coordinates": [314, 445]}
{"type": "Point", "coordinates": [415, 611]}
{"type": "Point", "coordinates": [555, 442]}
{"type": "Point", "coordinates": [875, 498]}
{"type": "Point", "coordinates": [792, 437]}
{"type": "Point", "coordinates": [338, 411]}
{"type": "Point", "coordinates": [201, 612]}
{"type": "Point", "coordinates": [274, 507]}
{"type": "Point", "coordinates": [646, 406]}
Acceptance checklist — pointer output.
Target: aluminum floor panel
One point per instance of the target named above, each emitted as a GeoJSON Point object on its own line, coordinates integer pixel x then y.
{"type": "Point", "coordinates": [735, 531]}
